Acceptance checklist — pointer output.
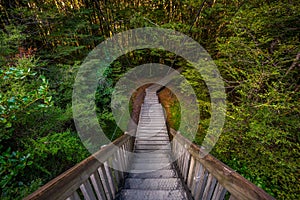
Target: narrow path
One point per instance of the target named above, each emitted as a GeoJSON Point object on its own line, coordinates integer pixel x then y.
{"type": "Point", "coordinates": [152, 173]}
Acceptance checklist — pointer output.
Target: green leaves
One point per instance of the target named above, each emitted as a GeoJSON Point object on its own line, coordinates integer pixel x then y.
{"type": "Point", "coordinates": [10, 39]}
{"type": "Point", "coordinates": [55, 152]}
{"type": "Point", "coordinates": [263, 103]}
{"type": "Point", "coordinates": [256, 44]}
{"type": "Point", "coordinates": [12, 165]}
{"type": "Point", "coordinates": [23, 94]}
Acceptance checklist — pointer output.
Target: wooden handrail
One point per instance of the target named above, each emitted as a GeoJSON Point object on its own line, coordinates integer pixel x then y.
{"type": "Point", "coordinates": [208, 177]}
{"type": "Point", "coordinates": [90, 178]}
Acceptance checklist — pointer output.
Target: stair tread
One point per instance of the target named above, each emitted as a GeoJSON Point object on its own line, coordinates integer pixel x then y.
{"type": "Point", "coordinates": [151, 155]}
{"type": "Point", "coordinates": [145, 138]}
{"type": "Point", "coordinates": [153, 147]}
{"type": "Point", "coordinates": [134, 194]}
{"type": "Point", "coordinates": [152, 160]}
{"type": "Point", "coordinates": [150, 142]}
{"type": "Point", "coordinates": [164, 173]}
{"type": "Point", "coordinates": [152, 134]}
{"type": "Point", "coordinates": [151, 151]}
{"type": "Point", "coordinates": [150, 166]}
{"type": "Point", "coordinates": [153, 183]}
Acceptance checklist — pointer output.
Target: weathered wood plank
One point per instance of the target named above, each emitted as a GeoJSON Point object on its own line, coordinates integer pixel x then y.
{"type": "Point", "coordinates": [125, 156]}
{"type": "Point", "coordinates": [115, 173]}
{"type": "Point", "coordinates": [185, 165]}
{"type": "Point", "coordinates": [219, 192]}
{"type": "Point", "coordinates": [201, 178]}
{"type": "Point", "coordinates": [98, 186]}
{"type": "Point", "coordinates": [192, 172]}
{"type": "Point", "coordinates": [87, 191]}
{"type": "Point", "coordinates": [104, 178]}
{"type": "Point", "coordinates": [209, 188]}
{"type": "Point", "coordinates": [180, 159]}
{"type": "Point", "coordinates": [195, 181]}
{"type": "Point", "coordinates": [110, 177]}
{"type": "Point", "coordinates": [121, 165]}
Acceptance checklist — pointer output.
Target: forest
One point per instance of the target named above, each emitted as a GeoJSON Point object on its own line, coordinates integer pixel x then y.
{"type": "Point", "coordinates": [255, 45]}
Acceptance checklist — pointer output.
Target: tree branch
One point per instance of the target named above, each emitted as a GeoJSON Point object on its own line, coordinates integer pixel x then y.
{"type": "Point", "coordinates": [293, 64]}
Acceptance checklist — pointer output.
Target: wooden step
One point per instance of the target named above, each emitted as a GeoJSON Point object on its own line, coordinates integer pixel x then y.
{"type": "Point", "coordinates": [152, 160]}
{"type": "Point", "coordinates": [151, 166]}
{"type": "Point", "coordinates": [152, 123]}
{"type": "Point", "coordinates": [153, 147]}
{"type": "Point", "coordinates": [155, 174]}
{"type": "Point", "coordinates": [137, 194]}
{"type": "Point", "coordinates": [147, 138]}
{"type": "Point", "coordinates": [152, 130]}
{"type": "Point", "coordinates": [153, 183]}
{"type": "Point", "coordinates": [151, 151]}
{"type": "Point", "coordinates": [151, 135]}
{"type": "Point", "coordinates": [151, 155]}
{"type": "Point", "coordinates": [151, 142]}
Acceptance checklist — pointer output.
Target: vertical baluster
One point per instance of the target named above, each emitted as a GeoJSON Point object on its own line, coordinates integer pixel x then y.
{"type": "Point", "coordinates": [114, 166]}
{"type": "Point", "coordinates": [219, 192]}
{"type": "Point", "coordinates": [128, 157]}
{"type": "Point", "coordinates": [196, 179]}
{"type": "Point", "coordinates": [98, 186]}
{"type": "Point", "coordinates": [121, 163]}
{"type": "Point", "coordinates": [127, 153]}
{"type": "Point", "coordinates": [110, 177]}
{"type": "Point", "coordinates": [105, 182]}
{"type": "Point", "coordinates": [185, 164]}
{"type": "Point", "coordinates": [124, 156]}
{"type": "Point", "coordinates": [202, 179]}
{"type": "Point", "coordinates": [209, 188]}
{"type": "Point", "coordinates": [180, 160]}
{"type": "Point", "coordinates": [184, 160]}
{"type": "Point", "coordinates": [87, 191]}
{"type": "Point", "coordinates": [191, 173]}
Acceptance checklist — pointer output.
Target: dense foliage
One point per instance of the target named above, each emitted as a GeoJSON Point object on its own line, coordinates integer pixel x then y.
{"type": "Point", "coordinates": [254, 43]}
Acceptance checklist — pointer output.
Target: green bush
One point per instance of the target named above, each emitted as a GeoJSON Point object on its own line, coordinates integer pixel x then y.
{"type": "Point", "coordinates": [54, 153]}
{"type": "Point", "coordinates": [13, 181]}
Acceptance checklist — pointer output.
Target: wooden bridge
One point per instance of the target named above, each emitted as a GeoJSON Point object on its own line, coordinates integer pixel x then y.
{"type": "Point", "coordinates": [149, 171]}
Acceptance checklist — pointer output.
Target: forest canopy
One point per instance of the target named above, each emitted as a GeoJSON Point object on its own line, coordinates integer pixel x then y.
{"type": "Point", "coordinates": [255, 45]}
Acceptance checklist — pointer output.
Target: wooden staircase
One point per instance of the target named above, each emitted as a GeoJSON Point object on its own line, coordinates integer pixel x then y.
{"type": "Point", "coordinates": [138, 165]}
{"type": "Point", "coordinates": [152, 174]}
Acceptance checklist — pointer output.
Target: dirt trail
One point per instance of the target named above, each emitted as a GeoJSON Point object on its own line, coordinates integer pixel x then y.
{"type": "Point", "coordinates": [166, 97]}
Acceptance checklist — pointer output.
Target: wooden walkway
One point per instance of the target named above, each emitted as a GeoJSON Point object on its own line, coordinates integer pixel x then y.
{"type": "Point", "coordinates": [114, 172]}
{"type": "Point", "coordinates": [152, 173]}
